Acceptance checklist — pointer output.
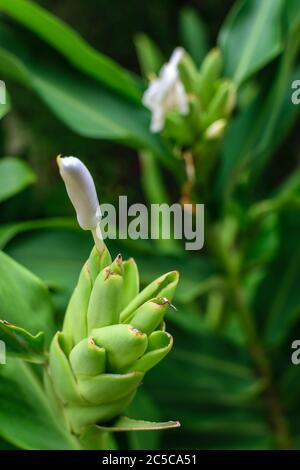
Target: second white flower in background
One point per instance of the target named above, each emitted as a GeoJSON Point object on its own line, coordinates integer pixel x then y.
{"type": "Point", "coordinates": [166, 93]}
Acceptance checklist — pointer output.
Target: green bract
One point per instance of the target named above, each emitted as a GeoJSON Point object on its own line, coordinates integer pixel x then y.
{"type": "Point", "coordinates": [112, 335]}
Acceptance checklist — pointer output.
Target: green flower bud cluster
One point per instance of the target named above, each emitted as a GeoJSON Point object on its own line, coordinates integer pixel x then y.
{"type": "Point", "coordinates": [112, 335]}
{"type": "Point", "coordinates": [211, 102]}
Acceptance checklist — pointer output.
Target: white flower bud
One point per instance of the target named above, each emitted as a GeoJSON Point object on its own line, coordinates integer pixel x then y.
{"type": "Point", "coordinates": [81, 191]}
{"type": "Point", "coordinates": [166, 92]}
{"type": "Point", "coordinates": [216, 129]}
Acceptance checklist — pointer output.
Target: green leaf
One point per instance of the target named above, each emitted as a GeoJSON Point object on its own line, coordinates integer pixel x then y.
{"type": "Point", "coordinates": [149, 56]}
{"type": "Point", "coordinates": [4, 445]}
{"type": "Point", "coordinates": [24, 300]}
{"type": "Point", "coordinates": [156, 193]}
{"type": "Point", "coordinates": [143, 405]}
{"type": "Point", "coordinates": [84, 105]}
{"type": "Point", "coordinates": [278, 310]}
{"type": "Point", "coordinates": [257, 131]}
{"type": "Point", "coordinates": [56, 256]}
{"type": "Point", "coordinates": [208, 384]}
{"type": "Point", "coordinates": [9, 231]}
{"type": "Point", "coordinates": [4, 108]}
{"type": "Point", "coordinates": [65, 40]}
{"type": "Point", "coordinates": [21, 343]}
{"type": "Point", "coordinates": [289, 191]}
{"type": "Point", "coordinates": [292, 15]}
{"type": "Point", "coordinates": [152, 181]}
{"type": "Point", "coordinates": [125, 424]}
{"type": "Point", "coordinates": [15, 175]}
{"type": "Point", "coordinates": [263, 241]}
{"type": "Point", "coordinates": [26, 419]}
{"type": "Point", "coordinates": [251, 37]}
{"type": "Point", "coordinates": [193, 34]}
{"type": "Point", "coordinates": [196, 274]}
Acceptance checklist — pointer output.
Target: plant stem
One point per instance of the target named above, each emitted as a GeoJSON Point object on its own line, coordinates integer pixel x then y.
{"type": "Point", "coordinates": [97, 235]}
{"type": "Point", "coordinates": [229, 262]}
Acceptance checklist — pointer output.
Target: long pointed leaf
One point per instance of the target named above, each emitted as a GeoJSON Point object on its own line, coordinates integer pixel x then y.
{"type": "Point", "coordinates": [66, 41]}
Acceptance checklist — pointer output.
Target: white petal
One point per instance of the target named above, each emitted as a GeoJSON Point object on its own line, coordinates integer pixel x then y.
{"type": "Point", "coordinates": [158, 120]}
{"type": "Point", "coordinates": [176, 56]}
{"type": "Point", "coordinates": [150, 97]}
{"type": "Point", "coordinates": [182, 99]}
{"type": "Point", "coordinates": [166, 92]}
{"type": "Point", "coordinates": [169, 75]}
{"type": "Point", "coordinates": [81, 190]}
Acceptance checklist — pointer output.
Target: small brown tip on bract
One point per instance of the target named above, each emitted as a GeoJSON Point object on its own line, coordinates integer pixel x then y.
{"type": "Point", "coordinates": [167, 301]}
{"type": "Point", "coordinates": [164, 301]}
{"type": "Point", "coordinates": [117, 265]}
{"type": "Point", "coordinates": [91, 341]}
{"type": "Point", "coordinates": [215, 50]}
{"type": "Point", "coordinates": [86, 267]}
{"type": "Point", "coordinates": [108, 272]}
{"type": "Point", "coordinates": [135, 331]}
{"type": "Point", "coordinates": [161, 301]}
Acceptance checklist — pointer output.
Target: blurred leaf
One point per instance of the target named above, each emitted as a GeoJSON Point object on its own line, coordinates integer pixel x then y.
{"type": "Point", "coordinates": [256, 132]}
{"type": "Point", "coordinates": [196, 273]}
{"type": "Point", "coordinates": [4, 108]}
{"type": "Point", "coordinates": [65, 40]}
{"type": "Point", "coordinates": [207, 383]}
{"type": "Point", "coordinates": [289, 191]}
{"type": "Point", "coordinates": [251, 37]}
{"type": "Point", "coordinates": [193, 34]}
{"type": "Point", "coordinates": [24, 300]}
{"type": "Point", "coordinates": [278, 308]}
{"type": "Point", "coordinates": [4, 445]}
{"type": "Point", "coordinates": [289, 385]}
{"type": "Point", "coordinates": [21, 343]}
{"type": "Point", "coordinates": [149, 56]}
{"type": "Point", "coordinates": [9, 231]}
{"type": "Point", "coordinates": [81, 103]}
{"type": "Point", "coordinates": [152, 181]}
{"type": "Point", "coordinates": [263, 241]}
{"type": "Point", "coordinates": [56, 256]}
{"type": "Point", "coordinates": [292, 15]}
{"type": "Point", "coordinates": [26, 419]}
{"type": "Point", "coordinates": [288, 379]}
{"type": "Point", "coordinates": [15, 175]}
{"type": "Point", "coordinates": [280, 103]}
{"type": "Point", "coordinates": [155, 192]}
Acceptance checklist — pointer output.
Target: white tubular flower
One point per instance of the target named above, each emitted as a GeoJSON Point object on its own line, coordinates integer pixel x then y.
{"type": "Point", "coordinates": [81, 190]}
{"type": "Point", "coordinates": [166, 92]}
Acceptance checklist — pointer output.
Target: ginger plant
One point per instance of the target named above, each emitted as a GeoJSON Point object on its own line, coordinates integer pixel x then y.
{"type": "Point", "coordinates": [112, 334]}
